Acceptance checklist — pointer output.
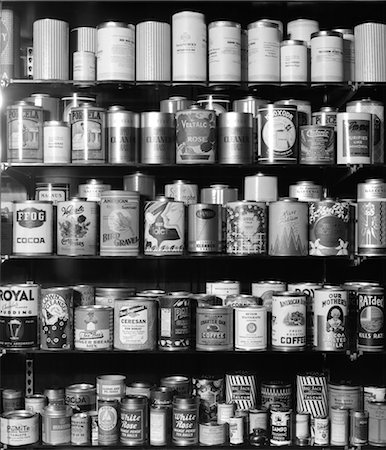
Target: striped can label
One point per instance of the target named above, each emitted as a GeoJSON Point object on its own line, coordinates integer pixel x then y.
{"type": "Point", "coordinates": [241, 389]}
{"type": "Point", "coordinates": [311, 394]}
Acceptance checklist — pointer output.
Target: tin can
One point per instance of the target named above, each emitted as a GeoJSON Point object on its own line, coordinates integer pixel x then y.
{"type": "Point", "coordinates": [225, 411]}
{"type": "Point", "coordinates": [94, 426]}
{"type": "Point", "coordinates": [302, 29]}
{"type": "Point", "coordinates": [182, 191]}
{"type": "Point", "coordinates": [92, 190]}
{"type": "Point", "coordinates": [189, 47]}
{"type": "Point", "coordinates": [321, 431]}
{"type": "Point", "coordinates": [204, 228]}
{"type": "Point", "coordinates": [354, 139]}
{"type": "Point", "coordinates": [56, 142]}
{"type": "Point", "coordinates": [55, 395]}
{"type": "Point", "coordinates": [219, 194]}
{"type": "Point", "coordinates": [10, 48]}
{"type": "Point", "coordinates": [142, 183]}
{"type": "Point", "coordinates": [250, 325]}
{"type": "Point", "coordinates": [115, 51]}
{"type": "Point", "coordinates": [141, 388]}
{"type": "Point", "coordinates": [50, 105]}
{"type": "Point", "coordinates": [260, 188]}
{"type": "Point", "coordinates": [339, 426]}
{"type": "Point", "coordinates": [288, 233]}
{"type": "Point", "coordinates": [88, 126]}
{"type": "Point", "coordinates": [327, 57]}
{"type": "Point", "coordinates": [276, 394]}
{"type": "Point", "coordinates": [110, 387]}
{"type": "Point", "coordinates": [174, 322]}
{"type": "Point", "coordinates": [52, 192]}
{"type": "Point", "coordinates": [211, 391]}
{"type": "Point", "coordinates": [196, 141]}
{"type": "Point", "coordinates": [108, 421]}
{"type": "Point", "coordinates": [106, 296]}
{"type": "Point", "coordinates": [135, 324]}
{"type": "Point", "coordinates": [56, 424]}
{"type": "Point", "coordinates": [134, 429]}
{"type": "Point", "coordinates": [236, 300]}
{"type": "Point", "coordinates": [241, 389]}
{"type": "Point", "coordinates": [281, 426]}
{"type": "Point", "coordinates": [158, 138]}
{"type": "Point", "coordinates": [81, 397]}
{"type": "Point", "coordinates": [174, 104]}
{"type": "Point", "coordinates": [371, 319]}
{"type": "Point", "coordinates": [377, 423]}
{"type": "Point", "coordinates": [249, 104]}
{"type": "Point", "coordinates": [278, 134]}
{"type": "Point", "coordinates": [80, 429]}
{"type": "Point", "coordinates": [359, 427]}
{"type": "Point", "coordinates": [306, 191]}
{"type": "Point", "coordinates": [371, 225]}
{"type": "Point", "coordinates": [214, 328]}
{"type": "Point", "coordinates": [83, 66]}
{"type": "Point", "coordinates": [288, 321]}
{"type": "Point", "coordinates": [160, 416]}
{"type": "Point", "coordinates": [326, 116]}
{"type": "Point", "coordinates": [235, 138]}
{"type": "Point", "coordinates": [159, 238]}
{"type": "Point", "coordinates": [93, 328]}
{"type": "Point", "coordinates": [246, 228]}
{"type": "Point", "coordinates": [303, 109]}
{"type": "Point", "coordinates": [258, 418]}
{"type": "Point", "coordinates": [263, 52]}
{"type": "Point", "coordinates": [223, 288]}
{"type": "Point", "coordinates": [123, 129]}
{"type": "Point", "coordinates": [83, 294]}
{"type": "Point", "coordinates": [317, 145]}
{"type": "Point", "coordinates": [348, 53]}
{"type": "Point", "coordinates": [344, 395]}
{"type": "Point", "coordinates": [185, 416]}
{"type": "Point", "coordinates": [35, 403]}
{"type": "Point", "coordinates": [19, 316]}
{"type": "Point", "coordinates": [293, 61]}
{"type": "Point", "coordinates": [25, 133]}
{"type": "Point", "coordinates": [77, 222]}
{"type": "Point", "coordinates": [219, 103]}
{"type": "Point", "coordinates": [19, 428]}
{"type": "Point", "coordinates": [331, 319]}
{"type": "Point", "coordinates": [56, 328]}
{"type": "Point", "coordinates": [212, 433]}
{"type": "Point", "coordinates": [264, 291]}
{"type": "Point", "coordinates": [179, 384]}
{"type": "Point", "coordinates": [12, 399]}
{"type": "Point", "coordinates": [119, 223]}
{"type": "Point", "coordinates": [74, 101]}
{"type": "Point", "coordinates": [236, 430]}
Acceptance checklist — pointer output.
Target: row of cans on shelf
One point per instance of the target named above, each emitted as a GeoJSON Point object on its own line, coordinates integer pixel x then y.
{"type": "Point", "coordinates": [293, 317]}
{"type": "Point", "coordinates": [257, 131]}
{"type": "Point", "coordinates": [210, 410]}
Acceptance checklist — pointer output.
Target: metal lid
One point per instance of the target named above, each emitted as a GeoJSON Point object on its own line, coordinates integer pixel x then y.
{"type": "Point", "coordinates": [12, 393]}
{"type": "Point", "coordinates": [263, 23]}
{"type": "Point", "coordinates": [223, 23]}
{"type": "Point", "coordinates": [326, 33]}
{"type": "Point", "coordinates": [55, 123]}
{"type": "Point", "coordinates": [112, 24]}
{"type": "Point", "coordinates": [57, 411]}
{"type": "Point", "coordinates": [79, 387]}
{"type": "Point", "coordinates": [19, 414]}
{"type": "Point", "coordinates": [293, 42]}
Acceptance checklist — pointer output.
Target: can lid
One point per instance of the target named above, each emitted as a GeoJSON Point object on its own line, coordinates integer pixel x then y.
{"type": "Point", "coordinates": [326, 33]}
{"type": "Point", "coordinates": [344, 30]}
{"type": "Point", "coordinates": [114, 108]}
{"type": "Point", "coordinates": [263, 23]}
{"type": "Point", "coordinates": [293, 42]}
{"type": "Point", "coordinates": [55, 123]}
{"type": "Point", "coordinates": [80, 387]}
{"type": "Point", "coordinates": [12, 393]}
{"type": "Point", "coordinates": [112, 24]}
{"type": "Point", "coordinates": [162, 394]}
{"type": "Point", "coordinates": [19, 414]}
{"type": "Point", "coordinates": [223, 23]}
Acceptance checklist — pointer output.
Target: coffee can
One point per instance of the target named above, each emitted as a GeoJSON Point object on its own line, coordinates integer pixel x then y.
{"type": "Point", "coordinates": [123, 129]}
{"type": "Point", "coordinates": [250, 328]}
{"type": "Point", "coordinates": [56, 424]}
{"type": "Point", "coordinates": [261, 188]}
{"type": "Point", "coordinates": [327, 56]}
{"type": "Point", "coordinates": [317, 145]}
{"type": "Point", "coordinates": [56, 142]}
{"type": "Point", "coordinates": [182, 191]}
{"type": "Point", "coordinates": [185, 419]}
{"type": "Point", "coordinates": [306, 191]}
{"type": "Point", "coordinates": [134, 420]}
{"type": "Point", "coordinates": [235, 138]}
{"type": "Point", "coordinates": [92, 189]}
{"type": "Point", "coordinates": [241, 389]}
{"type": "Point", "coordinates": [371, 319]}
{"type": "Point", "coordinates": [108, 421]}
{"type": "Point", "coordinates": [214, 328]}
{"type": "Point", "coordinates": [293, 61]}
{"type": "Point", "coordinates": [93, 328]}
{"type": "Point", "coordinates": [354, 138]}
{"type": "Point", "coordinates": [204, 228]}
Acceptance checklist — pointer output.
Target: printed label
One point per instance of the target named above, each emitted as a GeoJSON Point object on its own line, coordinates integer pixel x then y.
{"type": "Point", "coordinates": [133, 325]}
{"type": "Point", "coordinates": [356, 142]}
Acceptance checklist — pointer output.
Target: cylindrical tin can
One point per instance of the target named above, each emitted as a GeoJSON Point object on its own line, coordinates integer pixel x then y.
{"type": "Point", "coordinates": [189, 47]}
{"type": "Point", "coordinates": [303, 109]}
{"type": "Point", "coordinates": [196, 136]}
{"type": "Point", "coordinates": [94, 426]}
{"type": "Point", "coordinates": [135, 324]}
{"type": "Point", "coordinates": [377, 423]}
{"type": "Point", "coordinates": [241, 389]}
{"type": "Point", "coordinates": [12, 399]}
{"type": "Point", "coordinates": [50, 56]}
{"type": "Point", "coordinates": [185, 417]}
{"type": "Point", "coordinates": [19, 316]}
{"type": "Point", "coordinates": [276, 394]}
{"type": "Point", "coordinates": [371, 222]}
{"type": "Point", "coordinates": [281, 426]}
{"type": "Point", "coordinates": [123, 129]}
{"type": "Point", "coordinates": [24, 133]}
{"type": "Point", "coordinates": [106, 296]}
{"type": "Point", "coordinates": [179, 384]}
{"type": "Point", "coordinates": [236, 300]}
{"type": "Point", "coordinates": [223, 288]}
{"type": "Point", "coordinates": [331, 319]}
{"type": "Point", "coordinates": [80, 429]}
{"type": "Point", "coordinates": [134, 428]}
{"type": "Point", "coordinates": [212, 433]}
{"type": "Point", "coordinates": [77, 222]}
{"type": "Point", "coordinates": [302, 29]}
{"type": "Point", "coordinates": [225, 411]}
{"type": "Point", "coordinates": [303, 428]}
{"type": "Point", "coordinates": [174, 104]}
{"type": "Point", "coordinates": [56, 424]}
{"type": "Point", "coordinates": [321, 431]}
{"type": "Point", "coordinates": [248, 104]}
{"type": "Point", "coordinates": [56, 142]}
{"type": "Point", "coordinates": [250, 325]}
{"type": "Point", "coordinates": [260, 188]}
{"type": "Point", "coordinates": [52, 192]}
{"type": "Point", "coordinates": [55, 395]}
{"type": "Point", "coordinates": [93, 328]}
{"type": "Point", "coordinates": [50, 105]}
{"type": "Point", "coordinates": [139, 388]}
{"type": "Point", "coordinates": [214, 328]}
{"type": "Point", "coordinates": [153, 51]}
{"type": "Point", "coordinates": [219, 194]}
{"type": "Point", "coordinates": [235, 138]}
{"type": "Point", "coordinates": [325, 117]}
{"type": "Point", "coordinates": [327, 57]}
{"type": "Point", "coordinates": [359, 427]}
{"type": "Point", "coordinates": [35, 403]}
{"type": "Point", "coordinates": [224, 51]}
{"type": "Point", "coordinates": [142, 183]}
{"type": "Point", "coordinates": [306, 191]}
{"type": "Point", "coordinates": [288, 321]}
{"type": "Point", "coordinates": [19, 428]}
{"type": "Point", "coordinates": [83, 294]}
{"type": "Point", "coordinates": [159, 238]}
{"type": "Point", "coordinates": [288, 231]}
{"type": "Point", "coordinates": [81, 397]}
{"type": "Point", "coordinates": [354, 139]}
{"type": "Point", "coordinates": [56, 328]}
{"type": "Point", "coordinates": [88, 126]}
{"type": "Point", "coordinates": [345, 395]}
{"type": "Point", "coordinates": [236, 430]}
{"type": "Point", "coordinates": [258, 418]}
{"type": "Point", "coordinates": [158, 138]}
{"type": "Point", "coordinates": [182, 191]}
{"type": "Point", "coordinates": [373, 394]}
{"type": "Point", "coordinates": [348, 53]}
{"type": "Point", "coordinates": [174, 322]}
{"type": "Point", "coordinates": [110, 387]}
{"type": "Point", "coordinates": [246, 228]}
{"type": "Point", "coordinates": [371, 319]}
{"type": "Point", "coordinates": [264, 291]}
{"type": "Point", "coordinates": [211, 391]}
{"type": "Point", "coordinates": [312, 394]}
{"type": "Point", "coordinates": [83, 66]}
{"type": "Point", "coordinates": [278, 134]}
{"type": "Point", "coordinates": [115, 51]}
{"type": "Point", "coordinates": [263, 52]}
{"type": "Point", "coordinates": [74, 101]}
{"type": "Point", "coordinates": [339, 426]}
{"type": "Point", "coordinates": [219, 103]}
{"type": "Point", "coordinates": [317, 145]}
{"type": "Point", "coordinates": [204, 228]}
{"type": "Point", "coordinates": [92, 190]}
{"type": "Point", "coordinates": [160, 416]}
{"type": "Point", "coordinates": [108, 421]}
{"type": "Point", "coordinates": [293, 61]}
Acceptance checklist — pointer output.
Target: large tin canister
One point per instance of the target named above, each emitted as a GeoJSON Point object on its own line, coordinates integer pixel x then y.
{"type": "Point", "coordinates": [134, 423]}
{"type": "Point", "coordinates": [260, 188]}
{"type": "Point", "coordinates": [371, 218]}
{"type": "Point", "coordinates": [377, 423]}
{"type": "Point", "coordinates": [354, 139]}
{"type": "Point", "coordinates": [306, 191]}
{"type": "Point", "coordinates": [205, 228]}
{"type": "Point", "coordinates": [250, 325]}
{"type": "Point", "coordinates": [278, 134]}
{"type": "Point", "coordinates": [93, 327]}
{"type": "Point", "coordinates": [371, 319]}
{"type": "Point", "coordinates": [164, 227]}
{"type": "Point", "coordinates": [142, 183]}
{"type": "Point", "coordinates": [92, 189]}
{"type": "Point", "coordinates": [81, 396]}
{"type": "Point", "coordinates": [196, 141]}
{"type": "Point", "coordinates": [88, 127]}
{"type": "Point", "coordinates": [77, 225]}
{"type": "Point", "coordinates": [327, 56]}
{"type": "Point", "coordinates": [235, 138]}
{"type": "Point", "coordinates": [108, 421]}
{"type": "Point", "coordinates": [52, 192]}
{"type": "Point", "coordinates": [19, 428]}
{"type": "Point", "coordinates": [158, 138]}
{"type": "Point", "coordinates": [317, 145]}
{"type": "Point", "coordinates": [185, 418]}
{"type": "Point", "coordinates": [246, 228]}
{"type": "Point", "coordinates": [288, 230]}
{"type": "Point", "coordinates": [214, 328]}
{"type": "Point", "coordinates": [19, 316]}
{"type": "Point", "coordinates": [211, 391]}
{"type": "Point", "coordinates": [24, 133]}
{"type": "Point", "coordinates": [122, 135]}
{"type": "Point", "coordinates": [56, 424]}
{"type": "Point", "coordinates": [312, 394]}
{"type": "Point", "coordinates": [32, 227]}
{"type": "Point", "coordinates": [276, 393]}
{"type": "Point", "coordinates": [56, 324]}
{"type": "Point", "coordinates": [135, 324]}
{"type": "Point", "coordinates": [182, 191]}
{"type": "Point", "coordinates": [119, 223]}
{"type": "Point", "coordinates": [241, 389]}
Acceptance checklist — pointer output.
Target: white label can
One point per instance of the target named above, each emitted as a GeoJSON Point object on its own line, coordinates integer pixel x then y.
{"type": "Point", "coordinates": [250, 324]}
{"type": "Point", "coordinates": [354, 139]}
{"type": "Point", "coordinates": [327, 56]}
{"type": "Point", "coordinates": [222, 288]}
{"type": "Point", "coordinates": [294, 61]}
{"type": "Point", "coordinates": [56, 142]}
{"type": "Point", "coordinates": [83, 66]}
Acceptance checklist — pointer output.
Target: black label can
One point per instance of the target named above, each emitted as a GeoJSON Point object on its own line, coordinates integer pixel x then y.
{"type": "Point", "coordinates": [185, 421]}
{"type": "Point", "coordinates": [317, 144]}
{"type": "Point", "coordinates": [371, 319]}
{"type": "Point", "coordinates": [134, 420]}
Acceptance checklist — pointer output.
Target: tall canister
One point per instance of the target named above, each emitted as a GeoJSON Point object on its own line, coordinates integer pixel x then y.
{"type": "Point", "coordinates": [235, 138]}
{"type": "Point", "coordinates": [327, 56]}
{"type": "Point", "coordinates": [122, 135]}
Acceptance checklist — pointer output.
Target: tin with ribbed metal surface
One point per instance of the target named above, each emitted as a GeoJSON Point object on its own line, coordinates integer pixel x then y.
{"type": "Point", "coordinates": [205, 228]}
{"type": "Point", "coordinates": [123, 130]}
{"type": "Point", "coordinates": [182, 191]}
{"type": "Point", "coordinates": [371, 319]}
{"type": "Point", "coordinates": [250, 325]}
{"type": "Point", "coordinates": [134, 427]}
{"type": "Point", "coordinates": [84, 39]}
{"type": "Point", "coordinates": [19, 428]}
{"type": "Point", "coordinates": [93, 327]}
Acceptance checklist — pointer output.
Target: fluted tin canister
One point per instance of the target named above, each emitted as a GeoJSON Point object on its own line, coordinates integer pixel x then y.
{"type": "Point", "coordinates": [235, 138]}
{"type": "Point", "coordinates": [123, 131]}
{"type": "Point", "coordinates": [185, 418]}
{"type": "Point", "coordinates": [158, 138]}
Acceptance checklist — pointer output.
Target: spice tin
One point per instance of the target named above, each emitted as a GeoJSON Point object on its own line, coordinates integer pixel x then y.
{"type": "Point", "coordinates": [56, 142]}
{"type": "Point", "coordinates": [241, 389]}
{"type": "Point", "coordinates": [212, 433]}
{"type": "Point", "coordinates": [219, 194]}
{"type": "Point", "coordinates": [377, 423]}
{"type": "Point", "coordinates": [219, 103]}
{"type": "Point", "coordinates": [182, 191]}
{"type": "Point", "coordinates": [19, 316]}
{"type": "Point", "coordinates": [312, 394]}
{"type": "Point", "coordinates": [77, 224]}
{"type": "Point", "coordinates": [56, 329]}
{"type": "Point", "coordinates": [93, 328]}
{"type": "Point", "coordinates": [339, 426]}
{"type": "Point", "coordinates": [80, 429]}
{"type": "Point", "coordinates": [179, 384]}
{"type": "Point", "coordinates": [92, 190]}
{"type": "Point", "coordinates": [19, 428]}
{"type": "Point", "coordinates": [174, 104]}
{"type": "Point", "coordinates": [235, 138]}
{"type": "Point", "coordinates": [344, 395]}
{"type": "Point", "coordinates": [106, 296]}
{"type": "Point", "coordinates": [119, 223]}
{"type": "Point", "coordinates": [326, 116]}
{"type": "Point", "coordinates": [317, 145]}
{"type": "Point", "coordinates": [135, 324]}
{"type": "Point", "coordinates": [35, 403]}
{"type": "Point", "coordinates": [25, 133]}
{"type": "Point", "coordinates": [185, 417]}
{"type": "Point", "coordinates": [354, 139]}
{"type": "Point", "coordinates": [281, 426]}
{"type": "Point", "coordinates": [110, 387]}
{"type": "Point", "coordinates": [327, 56]}
{"type": "Point", "coordinates": [293, 61]}
{"type": "Point", "coordinates": [321, 431]}
{"type": "Point", "coordinates": [211, 391]}
{"type": "Point", "coordinates": [260, 188]}
{"type": "Point", "coordinates": [83, 294]}
{"type": "Point", "coordinates": [306, 191]}
{"type": "Point", "coordinates": [108, 421]}
{"type": "Point", "coordinates": [276, 394]}
{"type": "Point", "coordinates": [56, 424]}
{"type": "Point", "coordinates": [250, 325]}
{"type": "Point", "coordinates": [81, 397]}
{"type": "Point", "coordinates": [32, 227]}
{"type": "Point", "coordinates": [158, 138]}
{"type": "Point", "coordinates": [52, 192]}
{"type": "Point", "coordinates": [134, 428]}
{"type": "Point", "coordinates": [371, 319]}
{"type": "Point", "coordinates": [205, 228]}
{"type": "Point", "coordinates": [359, 427]}
{"type": "Point", "coordinates": [142, 183]}
{"type": "Point", "coordinates": [214, 328]}
{"type": "Point", "coordinates": [196, 136]}
{"type": "Point", "coordinates": [164, 227]}
{"type": "Point", "coordinates": [288, 231]}
{"type": "Point", "coordinates": [12, 399]}
{"type": "Point", "coordinates": [122, 136]}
